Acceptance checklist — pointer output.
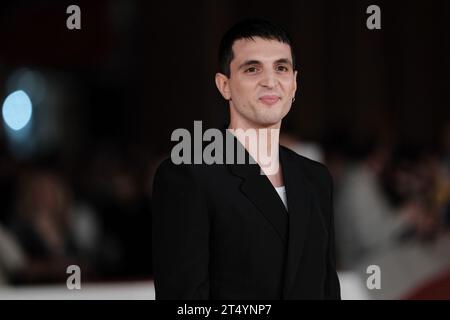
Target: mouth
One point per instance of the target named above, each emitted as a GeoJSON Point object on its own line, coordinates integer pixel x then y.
{"type": "Point", "coordinates": [269, 99]}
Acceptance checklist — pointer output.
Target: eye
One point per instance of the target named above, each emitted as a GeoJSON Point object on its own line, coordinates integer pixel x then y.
{"type": "Point", "coordinates": [251, 70]}
{"type": "Point", "coordinates": [282, 68]}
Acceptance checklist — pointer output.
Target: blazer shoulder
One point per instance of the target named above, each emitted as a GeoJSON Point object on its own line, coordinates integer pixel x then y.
{"type": "Point", "coordinates": [314, 170]}
{"type": "Point", "coordinates": [167, 170]}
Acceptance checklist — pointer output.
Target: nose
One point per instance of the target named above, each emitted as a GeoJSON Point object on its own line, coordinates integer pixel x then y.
{"type": "Point", "coordinates": [269, 80]}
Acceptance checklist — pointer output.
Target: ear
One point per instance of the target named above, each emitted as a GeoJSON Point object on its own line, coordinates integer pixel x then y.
{"type": "Point", "coordinates": [295, 82]}
{"type": "Point", "coordinates": [222, 83]}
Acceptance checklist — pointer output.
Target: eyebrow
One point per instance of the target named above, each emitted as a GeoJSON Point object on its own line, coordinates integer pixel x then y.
{"type": "Point", "coordinates": [253, 62]}
{"type": "Point", "coordinates": [284, 60]}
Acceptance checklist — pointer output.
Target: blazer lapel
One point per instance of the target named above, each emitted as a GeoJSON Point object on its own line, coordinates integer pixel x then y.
{"type": "Point", "coordinates": [298, 191]}
{"type": "Point", "coordinates": [259, 190]}
{"type": "Point", "coordinates": [291, 226]}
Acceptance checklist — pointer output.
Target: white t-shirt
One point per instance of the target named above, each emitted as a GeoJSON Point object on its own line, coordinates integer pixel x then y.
{"type": "Point", "coordinates": [282, 193]}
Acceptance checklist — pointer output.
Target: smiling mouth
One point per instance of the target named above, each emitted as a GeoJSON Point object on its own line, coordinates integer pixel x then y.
{"type": "Point", "coordinates": [269, 99]}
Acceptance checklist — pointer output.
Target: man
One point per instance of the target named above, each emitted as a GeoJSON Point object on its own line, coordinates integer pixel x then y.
{"type": "Point", "coordinates": [242, 231]}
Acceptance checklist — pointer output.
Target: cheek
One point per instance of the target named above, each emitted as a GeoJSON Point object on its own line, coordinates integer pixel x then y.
{"type": "Point", "coordinates": [243, 90]}
{"type": "Point", "coordinates": [289, 84]}
{"type": "Point", "coordinates": [292, 88]}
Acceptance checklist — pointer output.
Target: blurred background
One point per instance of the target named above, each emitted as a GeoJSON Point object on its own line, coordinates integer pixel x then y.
{"type": "Point", "coordinates": [87, 116]}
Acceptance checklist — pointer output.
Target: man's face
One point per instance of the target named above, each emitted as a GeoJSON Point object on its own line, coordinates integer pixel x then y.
{"type": "Point", "coordinates": [262, 83]}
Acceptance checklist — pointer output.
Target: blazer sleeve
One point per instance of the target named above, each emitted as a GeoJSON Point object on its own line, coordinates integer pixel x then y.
{"type": "Point", "coordinates": [180, 234]}
{"type": "Point", "coordinates": [332, 286]}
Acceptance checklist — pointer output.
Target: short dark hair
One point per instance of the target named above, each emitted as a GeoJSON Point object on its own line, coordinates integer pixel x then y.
{"type": "Point", "coordinates": [248, 29]}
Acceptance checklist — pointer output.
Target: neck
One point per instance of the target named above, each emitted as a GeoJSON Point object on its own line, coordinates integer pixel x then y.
{"type": "Point", "coordinates": [261, 142]}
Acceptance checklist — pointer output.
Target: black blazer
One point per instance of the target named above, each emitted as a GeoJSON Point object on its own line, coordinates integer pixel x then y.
{"type": "Point", "coordinates": [222, 232]}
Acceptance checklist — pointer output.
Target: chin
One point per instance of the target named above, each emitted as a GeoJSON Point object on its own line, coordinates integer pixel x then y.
{"type": "Point", "coordinates": [269, 122]}
{"type": "Point", "coordinates": [272, 119]}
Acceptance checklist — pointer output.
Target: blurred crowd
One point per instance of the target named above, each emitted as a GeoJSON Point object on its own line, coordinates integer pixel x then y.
{"type": "Point", "coordinates": [387, 194]}
{"type": "Point", "coordinates": [95, 211]}
{"type": "Point", "coordinates": [391, 209]}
